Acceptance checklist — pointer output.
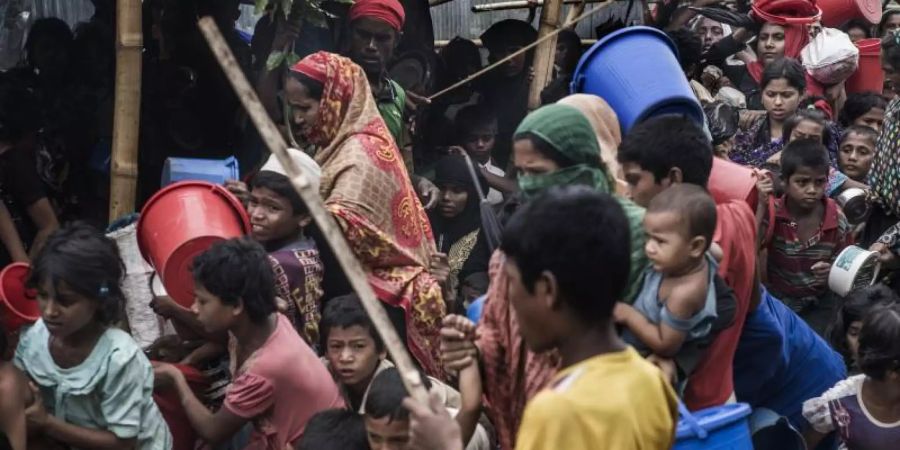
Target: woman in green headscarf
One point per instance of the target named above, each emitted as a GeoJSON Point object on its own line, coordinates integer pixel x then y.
{"type": "Point", "coordinates": [557, 146]}
{"type": "Point", "coordinates": [554, 146]}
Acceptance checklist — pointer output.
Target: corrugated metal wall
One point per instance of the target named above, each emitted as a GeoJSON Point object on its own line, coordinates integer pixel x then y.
{"type": "Point", "coordinates": [457, 19]}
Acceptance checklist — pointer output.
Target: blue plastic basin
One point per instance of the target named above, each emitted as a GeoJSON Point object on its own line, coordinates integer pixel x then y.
{"type": "Point", "coordinates": [723, 427]}
{"type": "Point", "coordinates": [636, 71]}
{"type": "Point", "coordinates": [215, 171]}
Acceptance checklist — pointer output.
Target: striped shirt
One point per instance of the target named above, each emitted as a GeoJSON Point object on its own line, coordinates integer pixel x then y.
{"type": "Point", "coordinates": [790, 277]}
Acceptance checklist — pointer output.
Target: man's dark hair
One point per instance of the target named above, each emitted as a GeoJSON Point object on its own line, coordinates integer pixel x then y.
{"type": "Point", "coordinates": [694, 207]}
{"type": "Point", "coordinates": [344, 312]}
{"type": "Point", "coordinates": [238, 270]}
{"type": "Point", "coordinates": [858, 104]}
{"type": "Point", "coordinates": [474, 116]}
{"type": "Point", "coordinates": [662, 143]}
{"type": "Point", "coordinates": [386, 394]}
{"type": "Point", "coordinates": [879, 342]}
{"type": "Point", "coordinates": [334, 429]}
{"type": "Point", "coordinates": [690, 49]}
{"type": "Point", "coordinates": [859, 24]}
{"type": "Point", "coordinates": [890, 50]}
{"type": "Point", "coordinates": [282, 186]}
{"type": "Point", "coordinates": [803, 153]}
{"type": "Point", "coordinates": [590, 263]}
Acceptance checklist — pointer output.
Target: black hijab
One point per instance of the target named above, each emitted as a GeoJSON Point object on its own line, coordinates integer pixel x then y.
{"type": "Point", "coordinates": [453, 170]}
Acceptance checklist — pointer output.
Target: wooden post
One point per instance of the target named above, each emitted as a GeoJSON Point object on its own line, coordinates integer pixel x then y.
{"type": "Point", "coordinates": [126, 123]}
{"type": "Point", "coordinates": [545, 53]}
{"type": "Point", "coordinates": [310, 196]}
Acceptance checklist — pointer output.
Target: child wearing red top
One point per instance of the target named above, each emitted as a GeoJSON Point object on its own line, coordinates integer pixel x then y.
{"type": "Point", "coordinates": [809, 232]}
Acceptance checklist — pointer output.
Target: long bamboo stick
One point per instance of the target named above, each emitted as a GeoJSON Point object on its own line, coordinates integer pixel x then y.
{"type": "Point", "coordinates": [520, 4]}
{"type": "Point", "coordinates": [276, 144]}
{"type": "Point", "coordinates": [545, 54]}
{"type": "Point", "coordinates": [126, 121]}
{"type": "Point", "coordinates": [524, 49]}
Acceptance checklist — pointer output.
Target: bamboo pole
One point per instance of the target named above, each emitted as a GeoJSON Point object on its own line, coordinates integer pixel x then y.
{"type": "Point", "coordinates": [438, 43]}
{"type": "Point", "coordinates": [545, 53]}
{"type": "Point", "coordinates": [352, 268]}
{"type": "Point", "coordinates": [522, 4]}
{"type": "Point", "coordinates": [126, 122]}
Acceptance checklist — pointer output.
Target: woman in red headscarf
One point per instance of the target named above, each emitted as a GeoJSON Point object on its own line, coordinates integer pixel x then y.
{"type": "Point", "coordinates": [366, 187]}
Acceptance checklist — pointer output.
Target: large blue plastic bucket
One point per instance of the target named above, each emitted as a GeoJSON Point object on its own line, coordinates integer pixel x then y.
{"type": "Point", "coordinates": [723, 427]}
{"type": "Point", "coordinates": [215, 171]}
{"type": "Point", "coordinates": [636, 71]}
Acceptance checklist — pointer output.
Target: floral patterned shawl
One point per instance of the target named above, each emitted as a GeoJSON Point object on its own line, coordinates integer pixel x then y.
{"type": "Point", "coordinates": [366, 187]}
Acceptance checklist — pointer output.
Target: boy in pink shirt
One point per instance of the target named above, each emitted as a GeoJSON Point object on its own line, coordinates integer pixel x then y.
{"type": "Point", "coordinates": [278, 382]}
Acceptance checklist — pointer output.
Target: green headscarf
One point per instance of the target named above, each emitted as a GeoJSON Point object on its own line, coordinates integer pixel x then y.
{"type": "Point", "coordinates": [568, 132]}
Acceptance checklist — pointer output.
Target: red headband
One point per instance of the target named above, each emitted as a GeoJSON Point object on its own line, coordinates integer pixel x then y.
{"type": "Point", "coordinates": [388, 11]}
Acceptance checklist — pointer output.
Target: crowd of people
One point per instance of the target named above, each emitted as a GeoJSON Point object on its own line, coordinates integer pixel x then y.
{"type": "Point", "coordinates": [559, 281]}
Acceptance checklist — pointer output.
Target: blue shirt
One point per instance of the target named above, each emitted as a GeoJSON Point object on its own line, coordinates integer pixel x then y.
{"type": "Point", "coordinates": [111, 390]}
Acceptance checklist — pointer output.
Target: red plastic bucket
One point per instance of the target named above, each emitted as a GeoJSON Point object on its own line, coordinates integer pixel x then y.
{"type": "Point", "coordinates": [837, 12]}
{"type": "Point", "coordinates": [180, 222]}
{"type": "Point", "coordinates": [787, 12]}
{"type": "Point", "coordinates": [868, 77]}
{"type": "Point", "coordinates": [18, 305]}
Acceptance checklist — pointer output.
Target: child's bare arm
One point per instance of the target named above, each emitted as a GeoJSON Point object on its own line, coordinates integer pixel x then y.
{"type": "Point", "coordinates": [470, 389]}
{"type": "Point", "coordinates": [14, 396]}
{"type": "Point", "coordinates": [661, 338]}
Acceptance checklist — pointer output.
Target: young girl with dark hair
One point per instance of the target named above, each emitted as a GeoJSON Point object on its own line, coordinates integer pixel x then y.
{"type": "Point", "coordinates": [91, 382]}
{"type": "Point", "coordinates": [864, 410]}
{"type": "Point", "coordinates": [863, 109]}
{"type": "Point", "coordinates": [783, 84]}
{"type": "Point", "coordinates": [843, 334]}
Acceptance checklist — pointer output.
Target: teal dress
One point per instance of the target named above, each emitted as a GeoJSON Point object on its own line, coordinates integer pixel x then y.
{"type": "Point", "coordinates": [111, 390]}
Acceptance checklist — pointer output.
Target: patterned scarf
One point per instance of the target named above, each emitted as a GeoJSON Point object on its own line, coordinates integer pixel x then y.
{"type": "Point", "coordinates": [366, 187]}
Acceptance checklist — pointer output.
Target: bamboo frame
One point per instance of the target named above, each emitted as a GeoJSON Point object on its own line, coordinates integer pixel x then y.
{"type": "Point", "coordinates": [546, 52]}
{"type": "Point", "coordinates": [126, 122]}
{"type": "Point", "coordinates": [351, 266]}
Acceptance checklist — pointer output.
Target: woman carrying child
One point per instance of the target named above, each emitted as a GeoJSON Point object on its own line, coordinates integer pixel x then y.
{"type": "Point", "coordinates": [674, 312]}
{"type": "Point", "coordinates": [91, 382]}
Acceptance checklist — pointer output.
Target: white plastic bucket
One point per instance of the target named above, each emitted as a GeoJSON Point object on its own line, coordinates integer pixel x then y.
{"type": "Point", "coordinates": [854, 268]}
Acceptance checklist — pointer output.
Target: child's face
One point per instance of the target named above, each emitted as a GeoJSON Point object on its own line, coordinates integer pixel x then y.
{"type": "Point", "coordinates": [353, 356]}
{"type": "Point", "coordinates": [215, 316]}
{"type": "Point", "coordinates": [667, 245]}
{"type": "Point", "coordinates": [64, 311]}
{"type": "Point", "coordinates": [806, 187]}
{"type": "Point", "coordinates": [452, 201]}
{"type": "Point", "coordinates": [856, 156]}
{"type": "Point", "coordinates": [387, 434]}
{"type": "Point", "coordinates": [873, 119]}
{"type": "Point", "coordinates": [642, 184]}
{"type": "Point", "coordinates": [479, 142]}
{"type": "Point", "coordinates": [807, 129]}
{"type": "Point", "coordinates": [271, 216]}
{"type": "Point", "coordinates": [853, 338]}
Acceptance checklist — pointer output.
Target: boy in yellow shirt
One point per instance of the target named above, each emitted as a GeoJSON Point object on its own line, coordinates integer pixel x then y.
{"type": "Point", "coordinates": [567, 260]}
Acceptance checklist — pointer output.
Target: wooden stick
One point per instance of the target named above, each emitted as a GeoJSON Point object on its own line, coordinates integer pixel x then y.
{"type": "Point", "coordinates": [519, 4]}
{"type": "Point", "coordinates": [438, 43]}
{"type": "Point", "coordinates": [313, 201]}
{"type": "Point", "coordinates": [545, 55]}
{"type": "Point", "coordinates": [126, 121]}
{"type": "Point", "coordinates": [522, 50]}
{"type": "Point", "coordinates": [576, 10]}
